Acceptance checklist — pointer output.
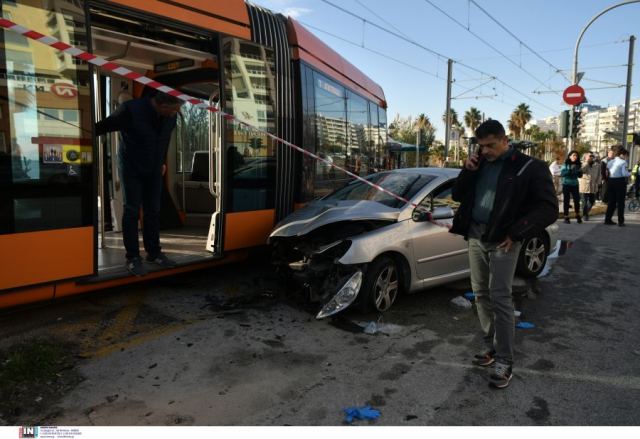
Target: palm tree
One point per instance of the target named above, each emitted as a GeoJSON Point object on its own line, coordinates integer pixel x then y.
{"type": "Point", "coordinates": [521, 116]}
{"type": "Point", "coordinates": [454, 117]}
{"type": "Point", "coordinates": [513, 126]}
{"type": "Point", "coordinates": [472, 118]}
{"type": "Point", "coordinates": [421, 125]}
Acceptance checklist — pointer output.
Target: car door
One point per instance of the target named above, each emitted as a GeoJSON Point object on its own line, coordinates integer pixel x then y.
{"type": "Point", "coordinates": [438, 253]}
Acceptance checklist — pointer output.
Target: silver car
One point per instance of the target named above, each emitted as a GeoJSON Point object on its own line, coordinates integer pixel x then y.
{"type": "Point", "coordinates": [362, 245]}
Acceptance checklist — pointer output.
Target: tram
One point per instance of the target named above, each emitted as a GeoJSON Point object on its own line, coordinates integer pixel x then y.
{"type": "Point", "coordinates": [61, 199]}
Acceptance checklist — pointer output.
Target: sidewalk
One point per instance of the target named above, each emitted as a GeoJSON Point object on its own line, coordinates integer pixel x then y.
{"type": "Point", "coordinates": [598, 209]}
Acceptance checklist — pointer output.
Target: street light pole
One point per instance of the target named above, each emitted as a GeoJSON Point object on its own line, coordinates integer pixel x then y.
{"type": "Point", "coordinates": [627, 100]}
{"type": "Point", "coordinates": [575, 60]}
{"type": "Point", "coordinates": [447, 129]}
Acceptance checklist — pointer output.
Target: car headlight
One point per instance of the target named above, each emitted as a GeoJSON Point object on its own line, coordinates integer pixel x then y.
{"type": "Point", "coordinates": [344, 297]}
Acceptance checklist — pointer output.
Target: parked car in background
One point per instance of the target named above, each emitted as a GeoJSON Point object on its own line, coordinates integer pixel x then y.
{"type": "Point", "coordinates": [362, 245]}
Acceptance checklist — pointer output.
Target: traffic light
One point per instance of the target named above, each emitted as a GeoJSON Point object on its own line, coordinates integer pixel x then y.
{"type": "Point", "coordinates": [577, 120]}
{"type": "Point", "coordinates": [564, 124]}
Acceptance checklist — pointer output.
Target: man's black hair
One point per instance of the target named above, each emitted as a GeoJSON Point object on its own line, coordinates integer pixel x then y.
{"type": "Point", "coordinates": [488, 128]}
{"type": "Point", "coordinates": [165, 99]}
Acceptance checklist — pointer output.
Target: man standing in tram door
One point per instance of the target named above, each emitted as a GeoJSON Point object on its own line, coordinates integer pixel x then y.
{"type": "Point", "coordinates": [145, 127]}
{"type": "Point", "coordinates": [506, 197]}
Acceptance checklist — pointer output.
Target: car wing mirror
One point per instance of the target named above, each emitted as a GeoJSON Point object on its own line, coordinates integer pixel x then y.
{"type": "Point", "coordinates": [440, 213]}
{"type": "Point", "coordinates": [420, 216]}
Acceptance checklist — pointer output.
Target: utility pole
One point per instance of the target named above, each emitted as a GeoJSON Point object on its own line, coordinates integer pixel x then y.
{"type": "Point", "coordinates": [447, 129]}
{"type": "Point", "coordinates": [627, 99]}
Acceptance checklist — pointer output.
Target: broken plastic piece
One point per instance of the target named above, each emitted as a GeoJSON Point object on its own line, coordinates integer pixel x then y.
{"type": "Point", "coordinates": [470, 296]}
{"type": "Point", "coordinates": [525, 325]}
{"type": "Point", "coordinates": [360, 413]}
{"type": "Point", "coordinates": [371, 328]}
{"type": "Point", "coordinates": [461, 302]}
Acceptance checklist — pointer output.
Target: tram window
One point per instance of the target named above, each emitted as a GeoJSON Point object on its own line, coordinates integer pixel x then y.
{"type": "Point", "coordinates": [331, 131]}
{"type": "Point", "coordinates": [250, 92]}
{"type": "Point", "coordinates": [45, 166]}
{"type": "Point", "coordinates": [358, 118]}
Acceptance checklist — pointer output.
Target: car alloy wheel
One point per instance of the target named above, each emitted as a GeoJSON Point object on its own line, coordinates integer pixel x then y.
{"type": "Point", "coordinates": [386, 287]}
{"type": "Point", "coordinates": [533, 257]}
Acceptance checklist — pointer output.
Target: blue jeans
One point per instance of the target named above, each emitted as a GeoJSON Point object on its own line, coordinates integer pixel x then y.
{"type": "Point", "coordinates": [588, 200]}
{"type": "Point", "coordinates": [141, 190]}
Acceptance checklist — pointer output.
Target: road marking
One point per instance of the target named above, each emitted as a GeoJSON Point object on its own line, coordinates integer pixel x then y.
{"type": "Point", "coordinates": [123, 321]}
{"type": "Point", "coordinates": [135, 341]}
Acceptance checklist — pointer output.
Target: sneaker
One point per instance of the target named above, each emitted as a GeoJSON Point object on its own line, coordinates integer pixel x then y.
{"type": "Point", "coordinates": [567, 221]}
{"type": "Point", "coordinates": [484, 359]}
{"type": "Point", "coordinates": [609, 223]}
{"type": "Point", "coordinates": [579, 220]}
{"type": "Point", "coordinates": [135, 267]}
{"type": "Point", "coordinates": [586, 217]}
{"type": "Point", "coordinates": [620, 224]}
{"type": "Point", "coordinates": [501, 376]}
{"type": "Point", "coordinates": [162, 260]}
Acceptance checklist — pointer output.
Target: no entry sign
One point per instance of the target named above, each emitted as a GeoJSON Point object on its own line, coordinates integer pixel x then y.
{"type": "Point", "coordinates": [573, 95]}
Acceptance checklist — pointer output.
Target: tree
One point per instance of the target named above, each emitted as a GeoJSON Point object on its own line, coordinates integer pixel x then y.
{"type": "Point", "coordinates": [513, 127]}
{"type": "Point", "coordinates": [472, 118]}
{"type": "Point", "coordinates": [521, 116]}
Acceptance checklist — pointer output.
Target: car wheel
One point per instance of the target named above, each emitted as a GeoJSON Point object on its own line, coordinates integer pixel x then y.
{"type": "Point", "coordinates": [381, 285]}
{"type": "Point", "coordinates": [533, 257]}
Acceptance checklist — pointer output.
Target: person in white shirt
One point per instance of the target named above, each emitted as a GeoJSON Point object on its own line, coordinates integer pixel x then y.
{"type": "Point", "coordinates": [554, 168]}
{"type": "Point", "coordinates": [618, 172]}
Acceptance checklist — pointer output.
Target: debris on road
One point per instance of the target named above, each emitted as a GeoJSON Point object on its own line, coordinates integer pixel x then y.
{"type": "Point", "coordinates": [461, 302]}
{"type": "Point", "coordinates": [470, 296]}
{"type": "Point", "coordinates": [373, 328]}
{"type": "Point", "coordinates": [360, 413]}
{"type": "Point", "coordinates": [525, 325]}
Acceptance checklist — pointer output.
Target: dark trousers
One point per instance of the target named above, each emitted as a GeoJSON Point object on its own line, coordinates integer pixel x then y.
{"type": "Point", "coordinates": [588, 200]}
{"type": "Point", "coordinates": [617, 190]}
{"type": "Point", "coordinates": [568, 192]}
{"type": "Point", "coordinates": [141, 190]}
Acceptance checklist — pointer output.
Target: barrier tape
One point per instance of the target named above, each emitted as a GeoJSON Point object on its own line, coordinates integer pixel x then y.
{"type": "Point", "coordinates": [199, 103]}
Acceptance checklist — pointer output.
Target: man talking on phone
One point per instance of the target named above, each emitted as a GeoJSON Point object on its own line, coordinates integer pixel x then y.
{"type": "Point", "coordinates": [506, 196]}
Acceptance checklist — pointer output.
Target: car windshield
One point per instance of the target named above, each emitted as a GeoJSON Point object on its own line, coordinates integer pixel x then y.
{"type": "Point", "coordinates": [403, 184]}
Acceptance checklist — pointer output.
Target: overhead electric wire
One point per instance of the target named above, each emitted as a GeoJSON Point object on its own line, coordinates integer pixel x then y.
{"type": "Point", "coordinates": [565, 49]}
{"type": "Point", "coordinates": [514, 36]}
{"type": "Point", "coordinates": [346, 11]}
{"type": "Point", "coordinates": [486, 42]}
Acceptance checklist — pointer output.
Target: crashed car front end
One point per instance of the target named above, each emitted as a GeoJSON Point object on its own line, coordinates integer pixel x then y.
{"type": "Point", "coordinates": [309, 245]}
{"type": "Point", "coordinates": [313, 261]}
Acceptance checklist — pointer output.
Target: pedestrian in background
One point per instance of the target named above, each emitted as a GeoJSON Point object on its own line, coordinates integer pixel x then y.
{"type": "Point", "coordinates": [570, 172]}
{"type": "Point", "coordinates": [635, 174]}
{"type": "Point", "coordinates": [554, 168]}
{"type": "Point", "coordinates": [588, 184]}
{"type": "Point", "coordinates": [506, 197]}
{"type": "Point", "coordinates": [145, 127]}
{"type": "Point", "coordinates": [611, 153]}
{"type": "Point", "coordinates": [618, 170]}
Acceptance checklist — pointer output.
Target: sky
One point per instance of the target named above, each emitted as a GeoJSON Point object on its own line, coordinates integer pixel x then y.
{"type": "Point", "coordinates": [414, 79]}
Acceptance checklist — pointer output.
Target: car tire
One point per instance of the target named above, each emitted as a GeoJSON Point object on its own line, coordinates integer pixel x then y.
{"type": "Point", "coordinates": [533, 257]}
{"type": "Point", "coordinates": [381, 286]}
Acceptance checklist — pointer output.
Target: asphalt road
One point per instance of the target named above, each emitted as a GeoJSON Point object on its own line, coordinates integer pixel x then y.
{"type": "Point", "coordinates": [232, 346]}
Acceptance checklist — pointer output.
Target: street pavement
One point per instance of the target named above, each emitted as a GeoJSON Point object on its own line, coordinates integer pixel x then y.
{"type": "Point", "coordinates": [233, 346]}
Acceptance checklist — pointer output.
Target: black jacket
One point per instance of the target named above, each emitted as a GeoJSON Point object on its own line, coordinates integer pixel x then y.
{"type": "Point", "coordinates": [525, 201]}
{"type": "Point", "coordinates": [145, 135]}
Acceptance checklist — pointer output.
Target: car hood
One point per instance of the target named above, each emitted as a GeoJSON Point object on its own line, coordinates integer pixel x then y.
{"type": "Point", "coordinates": [320, 213]}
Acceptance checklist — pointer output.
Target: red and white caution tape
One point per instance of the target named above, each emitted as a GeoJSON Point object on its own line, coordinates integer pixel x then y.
{"type": "Point", "coordinates": [129, 74]}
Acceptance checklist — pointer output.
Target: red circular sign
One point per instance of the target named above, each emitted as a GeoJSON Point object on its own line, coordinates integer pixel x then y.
{"type": "Point", "coordinates": [573, 95]}
{"type": "Point", "coordinates": [65, 91]}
